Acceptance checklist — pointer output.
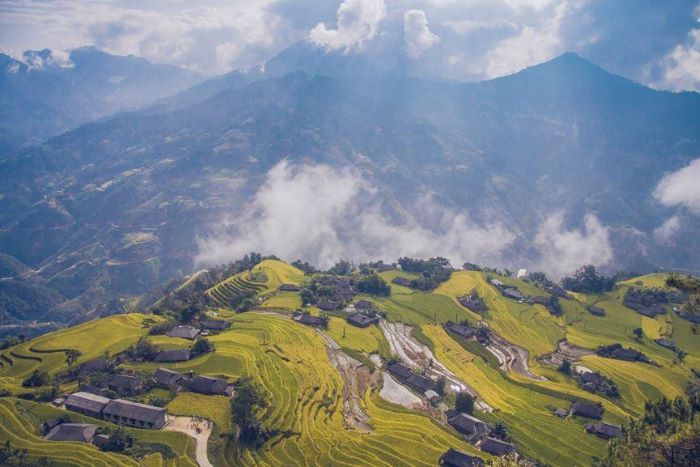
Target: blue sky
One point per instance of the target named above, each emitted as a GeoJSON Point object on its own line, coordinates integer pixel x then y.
{"type": "Point", "coordinates": [651, 41]}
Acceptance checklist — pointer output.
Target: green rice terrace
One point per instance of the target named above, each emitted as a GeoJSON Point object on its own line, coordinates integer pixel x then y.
{"type": "Point", "coordinates": [392, 366]}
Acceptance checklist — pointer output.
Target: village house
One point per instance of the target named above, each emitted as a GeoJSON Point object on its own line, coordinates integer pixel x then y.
{"type": "Point", "coordinates": [124, 384]}
{"type": "Point", "coordinates": [432, 396]}
{"type": "Point", "coordinates": [460, 329]}
{"type": "Point", "coordinates": [561, 413]}
{"type": "Point", "coordinates": [420, 383]}
{"type": "Point", "coordinates": [215, 324]}
{"type": "Point", "coordinates": [123, 412]}
{"type": "Point", "coordinates": [360, 320]}
{"type": "Point", "coordinates": [289, 288]}
{"type": "Point", "coordinates": [208, 385]}
{"type": "Point", "coordinates": [512, 293]}
{"type": "Point", "coordinates": [309, 320]}
{"type": "Point", "coordinates": [604, 430]}
{"type": "Point", "coordinates": [400, 370]}
{"type": "Point", "coordinates": [587, 409]}
{"type": "Point", "coordinates": [402, 281]}
{"type": "Point", "coordinates": [167, 378]}
{"type": "Point", "coordinates": [468, 425]}
{"type": "Point", "coordinates": [692, 317]}
{"type": "Point", "coordinates": [496, 447]}
{"type": "Point", "coordinates": [667, 343]}
{"type": "Point", "coordinates": [94, 366]}
{"type": "Point", "coordinates": [173, 355]}
{"type": "Point", "coordinates": [86, 404]}
{"type": "Point", "coordinates": [77, 432]}
{"type": "Point", "coordinates": [596, 311]}
{"type": "Point", "coordinates": [364, 305]}
{"type": "Point", "coordinates": [557, 291]}
{"type": "Point", "coordinates": [473, 302]}
{"type": "Point", "coordinates": [184, 332]}
{"type": "Point", "coordinates": [327, 305]}
{"type": "Point", "coordinates": [455, 458]}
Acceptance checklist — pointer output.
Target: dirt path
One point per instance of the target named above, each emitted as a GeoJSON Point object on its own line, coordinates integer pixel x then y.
{"type": "Point", "coordinates": [565, 351]}
{"type": "Point", "coordinates": [416, 355]}
{"type": "Point", "coordinates": [394, 392]}
{"type": "Point", "coordinates": [511, 357]}
{"type": "Point", "coordinates": [356, 379]}
{"type": "Point", "coordinates": [190, 426]}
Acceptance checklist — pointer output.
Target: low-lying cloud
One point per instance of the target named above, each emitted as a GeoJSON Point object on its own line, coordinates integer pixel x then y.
{"type": "Point", "coordinates": [358, 21]}
{"type": "Point", "coordinates": [321, 214]}
{"type": "Point", "coordinates": [681, 188]}
{"type": "Point", "coordinates": [418, 38]}
{"type": "Point", "coordinates": [562, 251]}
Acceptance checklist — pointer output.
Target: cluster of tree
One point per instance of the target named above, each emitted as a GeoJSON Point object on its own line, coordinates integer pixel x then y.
{"type": "Point", "coordinates": [119, 440]}
{"type": "Point", "coordinates": [12, 457]}
{"type": "Point", "coordinates": [433, 271]}
{"type": "Point", "coordinates": [143, 350]}
{"type": "Point", "coordinates": [667, 434]}
{"type": "Point", "coordinates": [541, 280]}
{"type": "Point", "coordinates": [690, 286]}
{"type": "Point", "coordinates": [464, 402]}
{"type": "Point", "coordinates": [245, 406]}
{"type": "Point", "coordinates": [588, 280]}
{"type": "Point", "coordinates": [341, 268]}
{"type": "Point", "coordinates": [36, 379]}
{"type": "Point", "coordinates": [304, 266]}
{"type": "Point", "coordinates": [554, 307]}
{"type": "Point", "coordinates": [372, 284]}
{"type": "Point", "coordinates": [500, 431]}
{"type": "Point", "coordinates": [11, 341]}
{"type": "Point", "coordinates": [201, 346]}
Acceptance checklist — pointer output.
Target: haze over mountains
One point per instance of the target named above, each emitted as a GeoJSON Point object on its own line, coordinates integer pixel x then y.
{"type": "Point", "coordinates": [323, 156]}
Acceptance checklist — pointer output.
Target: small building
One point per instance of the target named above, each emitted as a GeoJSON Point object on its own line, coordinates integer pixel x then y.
{"type": "Point", "coordinates": [289, 288]}
{"type": "Point", "coordinates": [85, 403]}
{"type": "Point", "coordinates": [360, 320]}
{"type": "Point", "coordinates": [557, 291]}
{"type": "Point", "coordinates": [206, 385]}
{"type": "Point", "coordinates": [95, 365]}
{"type": "Point", "coordinates": [420, 383]}
{"type": "Point", "coordinates": [101, 440]}
{"type": "Point", "coordinates": [364, 305]}
{"type": "Point", "coordinates": [667, 343]}
{"type": "Point", "coordinates": [184, 332]}
{"type": "Point", "coordinates": [496, 447]}
{"type": "Point", "coordinates": [455, 458]}
{"type": "Point", "coordinates": [402, 281]}
{"type": "Point", "coordinates": [124, 384]}
{"type": "Point", "coordinates": [129, 413]}
{"type": "Point", "coordinates": [77, 432]}
{"type": "Point", "coordinates": [512, 293]}
{"type": "Point", "coordinates": [167, 378]}
{"type": "Point", "coordinates": [592, 377]}
{"type": "Point", "coordinates": [628, 355]}
{"type": "Point", "coordinates": [686, 315]}
{"type": "Point", "coordinates": [310, 320]}
{"type": "Point", "coordinates": [604, 430]}
{"type": "Point", "coordinates": [460, 329]}
{"type": "Point", "coordinates": [400, 370]}
{"type": "Point", "coordinates": [496, 283]}
{"type": "Point", "coordinates": [173, 355]}
{"type": "Point", "coordinates": [327, 305]}
{"type": "Point", "coordinates": [596, 310]}
{"type": "Point", "coordinates": [587, 409]}
{"type": "Point", "coordinates": [561, 413]}
{"type": "Point", "coordinates": [215, 324]}
{"type": "Point", "coordinates": [432, 396]}
{"type": "Point", "coordinates": [469, 425]}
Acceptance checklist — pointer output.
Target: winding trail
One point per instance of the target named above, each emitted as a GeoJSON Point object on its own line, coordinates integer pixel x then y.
{"type": "Point", "coordinates": [189, 426]}
{"type": "Point", "coordinates": [511, 357]}
{"type": "Point", "coordinates": [416, 355]}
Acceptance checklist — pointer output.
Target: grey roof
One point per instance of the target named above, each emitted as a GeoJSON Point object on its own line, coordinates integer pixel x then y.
{"type": "Point", "coordinates": [289, 288]}
{"type": "Point", "coordinates": [364, 305]}
{"type": "Point", "coordinates": [692, 317]}
{"type": "Point", "coordinates": [81, 432]}
{"type": "Point", "coordinates": [629, 355]}
{"type": "Point", "coordinates": [596, 310]}
{"type": "Point", "coordinates": [207, 385]}
{"type": "Point", "coordinates": [591, 377]}
{"type": "Point", "coordinates": [361, 320]}
{"type": "Point", "coordinates": [128, 382]}
{"type": "Point", "coordinates": [128, 409]}
{"type": "Point", "coordinates": [469, 424]}
{"type": "Point", "coordinates": [401, 281]}
{"type": "Point", "coordinates": [86, 401]}
{"type": "Point", "coordinates": [92, 389]}
{"type": "Point", "coordinates": [419, 382]}
{"type": "Point", "coordinates": [512, 292]}
{"type": "Point", "coordinates": [669, 344]}
{"type": "Point", "coordinates": [166, 376]}
{"type": "Point", "coordinates": [185, 332]}
{"type": "Point", "coordinates": [496, 447]}
{"type": "Point", "coordinates": [455, 458]}
{"type": "Point", "coordinates": [587, 409]}
{"type": "Point", "coordinates": [430, 394]}
{"type": "Point", "coordinates": [215, 324]}
{"type": "Point", "coordinates": [604, 430]}
{"type": "Point", "coordinates": [327, 305]}
{"type": "Point", "coordinates": [173, 355]}
{"type": "Point", "coordinates": [96, 364]}
{"type": "Point", "coordinates": [400, 370]}
{"type": "Point", "coordinates": [460, 329]}
{"type": "Point", "coordinates": [310, 320]}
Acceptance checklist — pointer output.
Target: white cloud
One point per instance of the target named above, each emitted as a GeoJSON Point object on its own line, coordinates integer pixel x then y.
{"type": "Point", "coordinates": [418, 37]}
{"type": "Point", "coordinates": [563, 251]}
{"type": "Point", "coordinates": [321, 214]}
{"type": "Point", "coordinates": [681, 188]}
{"type": "Point", "coordinates": [358, 22]}
{"type": "Point", "coordinates": [681, 66]}
{"type": "Point", "coordinates": [668, 229]}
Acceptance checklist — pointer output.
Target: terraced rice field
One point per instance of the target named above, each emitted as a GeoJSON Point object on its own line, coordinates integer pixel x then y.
{"type": "Point", "coordinates": [275, 272]}
{"type": "Point", "coordinates": [20, 420]}
{"type": "Point", "coordinates": [214, 408]}
{"type": "Point", "coordinates": [367, 340]}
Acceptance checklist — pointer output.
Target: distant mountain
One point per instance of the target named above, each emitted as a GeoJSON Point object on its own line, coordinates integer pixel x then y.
{"type": "Point", "coordinates": [41, 96]}
{"type": "Point", "coordinates": [115, 207]}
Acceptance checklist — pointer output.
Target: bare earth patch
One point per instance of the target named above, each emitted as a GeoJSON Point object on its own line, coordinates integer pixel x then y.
{"type": "Point", "coordinates": [197, 428]}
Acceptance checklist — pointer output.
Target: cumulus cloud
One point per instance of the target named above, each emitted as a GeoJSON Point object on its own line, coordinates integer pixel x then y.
{"type": "Point", "coordinates": [668, 229]}
{"type": "Point", "coordinates": [418, 37]}
{"type": "Point", "coordinates": [563, 251]}
{"type": "Point", "coordinates": [322, 214]}
{"type": "Point", "coordinates": [681, 188]}
{"type": "Point", "coordinates": [358, 22]}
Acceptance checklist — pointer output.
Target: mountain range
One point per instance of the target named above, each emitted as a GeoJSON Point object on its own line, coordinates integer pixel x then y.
{"type": "Point", "coordinates": [114, 207]}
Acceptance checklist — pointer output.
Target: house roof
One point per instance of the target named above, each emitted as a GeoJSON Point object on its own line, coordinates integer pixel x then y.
{"type": "Point", "coordinates": [561, 413]}
{"type": "Point", "coordinates": [207, 385]}
{"type": "Point", "coordinates": [401, 281]}
{"type": "Point", "coordinates": [605, 430]}
{"type": "Point", "coordinates": [592, 377]}
{"type": "Point", "coordinates": [420, 382]}
{"type": "Point", "coordinates": [669, 344]}
{"type": "Point", "coordinates": [128, 409]}
{"type": "Point", "coordinates": [81, 432]}
{"type": "Point", "coordinates": [185, 332]}
{"type": "Point", "coordinates": [215, 324]}
{"type": "Point", "coordinates": [327, 305]}
{"type": "Point", "coordinates": [289, 288]}
{"type": "Point", "coordinates": [96, 364]}
{"type": "Point", "coordinates": [310, 320]}
{"type": "Point", "coordinates": [89, 388]}
{"type": "Point", "coordinates": [87, 401]}
{"type": "Point", "coordinates": [455, 458]}
{"type": "Point", "coordinates": [173, 355]}
{"type": "Point", "coordinates": [595, 310]}
{"type": "Point", "coordinates": [166, 376]}
{"type": "Point", "coordinates": [124, 382]}
{"type": "Point", "coordinates": [626, 354]}
{"type": "Point", "coordinates": [496, 447]}
{"type": "Point", "coordinates": [430, 394]}
{"type": "Point", "coordinates": [586, 409]}
{"type": "Point", "coordinates": [360, 320]}
{"type": "Point", "coordinates": [460, 329]}
{"type": "Point", "coordinates": [512, 292]}
{"type": "Point", "coordinates": [469, 424]}
{"type": "Point", "coordinates": [400, 370]}
{"type": "Point", "coordinates": [364, 305]}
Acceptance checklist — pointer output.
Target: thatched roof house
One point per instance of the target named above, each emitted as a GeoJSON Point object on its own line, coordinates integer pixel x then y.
{"type": "Point", "coordinates": [455, 458]}
{"type": "Point", "coordinates": [496, 447]}
{"type": "Point", "coordinates": [167, 378]}
{"type": "Point", "coordinates": [604, 430]}
{"type": "Point", "coordinates": [400, 370]}
{"type": "Point", "coordinates": [587, 409]}
{"type": "Point", "coordinates": [78, 432]}
{"type": "Point", "coordinates": [469, 425]}
{"type": "Point", "coordinates": [206, 385]}
{"type": "Point", "coordinates": [86, 404]}
{"type": "Point", "coordinates": [173, 355]}
{"type": "Point", "coordinates": [215, 324]}
{"type": "Point", "coordinates": [123, 412]}
{"type": "Point", "coordinates": [124, 384]}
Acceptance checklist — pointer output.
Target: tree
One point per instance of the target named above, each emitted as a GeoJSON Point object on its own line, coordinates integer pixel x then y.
{"type": "Point", "coordinates": [440, 385]}
{"type": "Point", "coordinates": [201, 346]}
{"type": "Point", "coordinates": [483, 334]}
{"type": "Point", "coordinates": [72, 356]}
{"type": "Point", "coordinates": [189, 314]}
{"type": "Point", "coordinates": [36, 379]}
{"type": "Point", "coordinates": [638, 333]}
{"type": "Point", "coordinates": [119, 440]}
{"type": "Point", "coordinates": [244, 407]}
{"type": "Point", "coordinates": [143, 350]}
{"type": "Point", "coordinates": [307, 297]}
{"type": "Point", "coordinates": [246, 305]}
{"type": "Point", "coordinates": [500, 431]}
{"type": "Point", "coordinates": [587, 280]}
{"type": "Point", "coordinates": [341, 268]}
{"type": "Point", "coordinates": [374, 285]}
{"type": "Point", "coordinates": [464, 403]}
{"type": "Point", "coordinates": [566, 368]}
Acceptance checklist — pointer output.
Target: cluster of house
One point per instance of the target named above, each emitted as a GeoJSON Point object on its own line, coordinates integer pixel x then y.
{"type": "Point", "coordinates": [473, 302]}
{"type": "Point", "coordinates": [207, 326]}
{"type": "Point", "coordinates": [617, 352]}
{"type": "Point", "coordinates": [119, 411]}
{"type": "Point", "coordinates": [688, 316]}
{"type": "Point", "coordinates": [342, 292]}
{"type": "Point", "coordinates": [309, 320]}
{"type": "Point", "coordinates": [479, 433]}
{"type": "Point", "coordinates": [595, 412]}
{"type": "Point", "coordinates": [508, 291]}
{"type": "Point", "coordinates": [594, 382]}
{"type": "Point", "coordinates": [419, 383]}
{"type": "Point", "coordinates": [363, 313]}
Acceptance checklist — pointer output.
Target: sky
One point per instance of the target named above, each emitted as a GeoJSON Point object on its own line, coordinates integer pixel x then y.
{"type": "Point", "coordinates": [650, 41]}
